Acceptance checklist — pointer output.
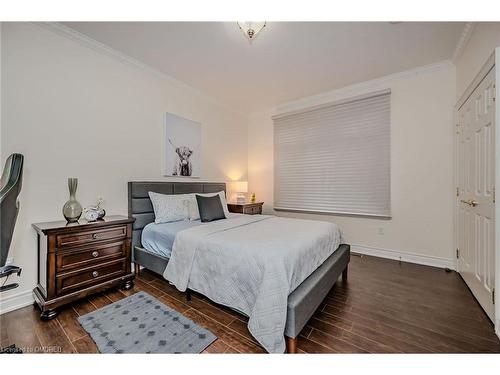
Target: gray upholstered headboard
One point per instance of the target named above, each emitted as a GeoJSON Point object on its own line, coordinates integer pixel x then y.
{"type": "Point", "coordinates": [139, 204]}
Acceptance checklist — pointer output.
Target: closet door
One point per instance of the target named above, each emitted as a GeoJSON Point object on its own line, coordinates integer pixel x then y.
{"type": "Point", "coordinates": [476, 192]}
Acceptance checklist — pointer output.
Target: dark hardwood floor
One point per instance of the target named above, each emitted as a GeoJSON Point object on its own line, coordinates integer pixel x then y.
{"type": "Point", "coordinates": [385, 307]}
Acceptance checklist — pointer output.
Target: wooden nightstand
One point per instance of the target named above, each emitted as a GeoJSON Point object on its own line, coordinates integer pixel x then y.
{"type": "Point", "coordinates": [79, 259]}
{"type": "Point", "coordinates": [246, 208]}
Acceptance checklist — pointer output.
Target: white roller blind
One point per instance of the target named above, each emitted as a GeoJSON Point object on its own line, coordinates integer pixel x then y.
{"type": "Point", "coordinates": [335, 158]}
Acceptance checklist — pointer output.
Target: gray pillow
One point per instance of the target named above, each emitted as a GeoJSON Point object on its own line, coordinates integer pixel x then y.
{"type": "Point", "coordinates": [210, 208]}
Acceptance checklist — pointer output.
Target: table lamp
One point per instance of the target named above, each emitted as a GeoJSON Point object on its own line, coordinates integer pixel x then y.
{"type": "Point", "coordinates": [240, 188]}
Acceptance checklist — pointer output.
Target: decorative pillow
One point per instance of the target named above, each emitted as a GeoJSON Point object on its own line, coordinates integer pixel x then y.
{"type": "Point", "coordinates": [210, 208]}
{"type": "Point", "coordinates": [170, 207]}
{"type": "Point", "coordinates": [194, 213]}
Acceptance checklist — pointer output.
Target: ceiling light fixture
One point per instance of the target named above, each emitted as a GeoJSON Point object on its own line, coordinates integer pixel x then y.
{"type": "Point", "coordinates": [251, 29]}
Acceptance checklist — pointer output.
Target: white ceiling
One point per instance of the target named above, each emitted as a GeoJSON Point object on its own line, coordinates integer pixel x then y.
{"type": "Point", "coordinates": [287, 60]}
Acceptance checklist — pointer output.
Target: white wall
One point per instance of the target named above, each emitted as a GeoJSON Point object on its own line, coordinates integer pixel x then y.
{"type": "Point", "coordinates": [421, 166]}
{"type": "Point", "coordinates": [483, 41]}
{"type": "Point", "coordinates": [76, 112]}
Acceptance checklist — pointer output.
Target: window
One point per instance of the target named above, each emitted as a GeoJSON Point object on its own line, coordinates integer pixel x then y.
{"type": "Point", "coordinates": [335, 158]}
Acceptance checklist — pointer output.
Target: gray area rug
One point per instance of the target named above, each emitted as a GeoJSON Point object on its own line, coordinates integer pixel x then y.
{"type": "Point", "coordinates": [142, 324]}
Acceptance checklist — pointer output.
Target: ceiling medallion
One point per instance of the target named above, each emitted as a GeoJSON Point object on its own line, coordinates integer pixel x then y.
{"type": "Point", "coordinates": [251, 29]}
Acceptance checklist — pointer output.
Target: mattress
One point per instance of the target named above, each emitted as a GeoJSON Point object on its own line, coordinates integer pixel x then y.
{"type": "Point", "coordinates": [252, 264]}
{"type": "Point", "coordinates": [158, 239]}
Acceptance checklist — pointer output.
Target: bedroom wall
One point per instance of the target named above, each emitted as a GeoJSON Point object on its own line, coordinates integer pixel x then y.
{"type": "Point", "coordinates": [484, 39]}
{"type": "Point", "coordinates": [421, 167]}
{"type": "Point", "coordinates": [76, 111]}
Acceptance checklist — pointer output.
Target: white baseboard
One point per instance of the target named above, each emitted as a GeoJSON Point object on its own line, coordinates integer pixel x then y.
{"type": "Point", "coordinates": [16, 301]}
{"type": "Point", "coordinates": [404, 256]}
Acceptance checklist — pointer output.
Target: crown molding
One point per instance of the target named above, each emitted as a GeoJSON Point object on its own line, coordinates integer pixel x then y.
{"type": "Point", "coordinates": [357, 89]}
{"type": "Point", "coordinates": [464, 39]}
{"type": "Point", "coordinates": [104, 49]}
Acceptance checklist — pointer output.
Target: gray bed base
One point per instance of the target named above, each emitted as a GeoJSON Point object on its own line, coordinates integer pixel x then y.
{"type": "Point", "coordinates": [302, 302]}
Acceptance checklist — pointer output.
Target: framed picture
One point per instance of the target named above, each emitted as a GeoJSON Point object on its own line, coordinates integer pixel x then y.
{"type": "Point", "coordinates": [181, 147]}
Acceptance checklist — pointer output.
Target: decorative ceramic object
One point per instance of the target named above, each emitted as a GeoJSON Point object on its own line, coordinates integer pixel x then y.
{"type": "Point", "coordinates": [90, 214]}
{"type": "Point", "coordinates": [93, 213]}
{"type": "Point", "coordinates": [72, 209]}
{"type": "Point", "coordinates": [252, 198]}
{"type": "Point", "coordinates": [101, 211]}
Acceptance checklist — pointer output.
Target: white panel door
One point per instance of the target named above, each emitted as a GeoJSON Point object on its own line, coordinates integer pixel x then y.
{"type": "Point", "coordinates": [476, 192]}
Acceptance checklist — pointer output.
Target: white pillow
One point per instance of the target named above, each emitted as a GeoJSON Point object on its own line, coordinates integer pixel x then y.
{"type": "Point", "coordinates": [170, 207]}
{"type": "Point", "coordinates": [194, 213]}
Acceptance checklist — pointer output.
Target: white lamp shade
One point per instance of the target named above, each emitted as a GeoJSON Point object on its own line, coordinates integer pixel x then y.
{"type": "Point", "coordinates": [239, 186]}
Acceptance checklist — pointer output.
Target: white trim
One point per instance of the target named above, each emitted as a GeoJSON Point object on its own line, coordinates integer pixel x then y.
{"type": "Point", "coordinates": [404, 256]}
{"type": "Point", "coordinates": [361, 88]}
{"type": "Point", "coordinates": [485, 69]}
{"type": "Point", "coordinates": [99, 47]}
{"type": "Point", "coordinates": [16, 301]}
{"type": "Point", "coordinates": [464, 39]}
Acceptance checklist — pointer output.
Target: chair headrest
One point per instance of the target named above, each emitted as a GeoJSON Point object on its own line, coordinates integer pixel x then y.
{"type": "Point", "coordinates": [12, 175]}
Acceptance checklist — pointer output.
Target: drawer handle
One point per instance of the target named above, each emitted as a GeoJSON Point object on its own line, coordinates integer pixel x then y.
{"type": "Point", "coordinates": [95, 274]}
{"type": "Point", "coordinates": [94, 236]}
{"type": "Point", "coordinates": [95, 254]}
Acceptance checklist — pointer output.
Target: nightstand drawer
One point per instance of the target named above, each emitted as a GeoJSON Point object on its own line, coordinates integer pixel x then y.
{"type": "Point", "coordinates": [64, 240]}
{"type": "Point", "coordinates": [78, 279]}
{"type": "Point", "coordinates": [83, 257]}
{"type": "Point", "coordinates": [246, 208]}
{"type": "Point", "coordinates": [252, 210]}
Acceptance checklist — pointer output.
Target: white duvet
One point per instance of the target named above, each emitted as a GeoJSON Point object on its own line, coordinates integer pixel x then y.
{"type": "Point", "coordinates": [252, 264]}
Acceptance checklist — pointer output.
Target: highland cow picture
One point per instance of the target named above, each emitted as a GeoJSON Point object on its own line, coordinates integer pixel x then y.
{"type": "Point", "coordinates": [181, 147]}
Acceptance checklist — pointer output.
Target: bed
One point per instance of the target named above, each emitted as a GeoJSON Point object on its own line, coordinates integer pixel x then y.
{"type": "Point", "coordinates": [301, 303]}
